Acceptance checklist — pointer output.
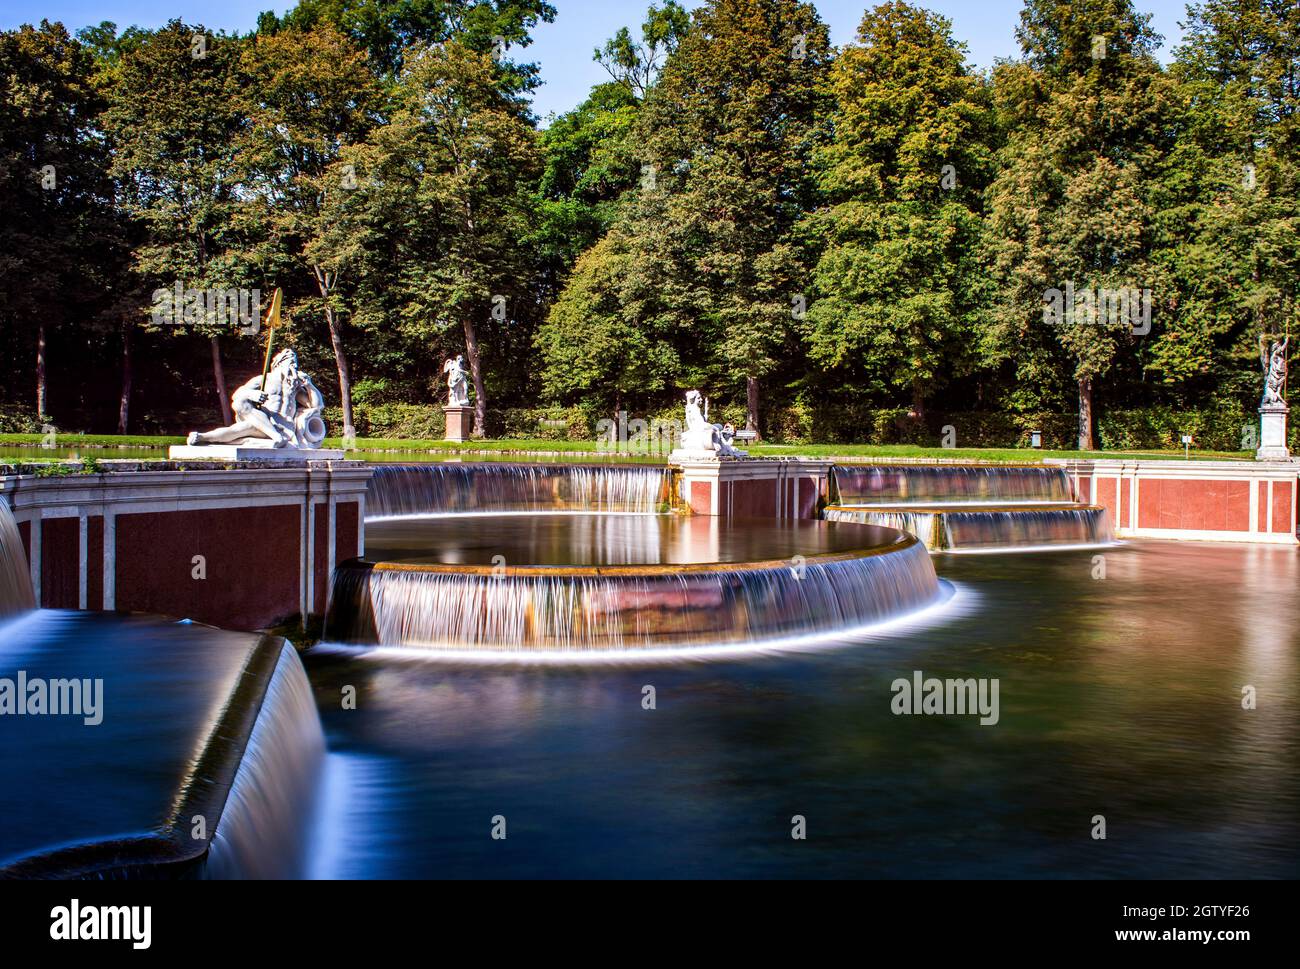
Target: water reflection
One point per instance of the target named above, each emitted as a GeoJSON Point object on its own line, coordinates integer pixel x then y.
{"type": "Point", "coordinates": [1120, 696]}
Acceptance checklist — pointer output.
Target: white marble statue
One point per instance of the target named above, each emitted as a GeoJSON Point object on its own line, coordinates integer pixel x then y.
{"type": "Point", "coordinates": [701, 436]}
{"type": "Point", "coordinates": [457, 382]}
{"type": "Point", "coordinates": [285, 413]}
{"type": "Point", "coordinates": [1275, 375]}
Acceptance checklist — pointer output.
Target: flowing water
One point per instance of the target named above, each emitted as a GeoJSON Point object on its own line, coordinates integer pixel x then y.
{"type": "Point", "coordinates": [265, 830]}
{"type": "Point", "coordinates": [950, 508]}
{"type": "Point", "coordinates": [989, 528]}
{"type": "Point", "coordinates": [140, 699]}
{"type": "Point", "coordinates": [948, 484]}
{"type": "Point", "coordinates": [1119, 696]}
{"type": "Point", "coordinates": [1122, 691]}
{"type": "Point", "coordinates": [16, 594]}
{"type": "Point", "coordinates": [441, 488]}
{"type": "Point", "coordinates": [578, 582]}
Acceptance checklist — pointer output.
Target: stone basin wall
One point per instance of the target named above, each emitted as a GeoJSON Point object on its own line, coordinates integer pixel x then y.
{"type": "Point", "coordinates": [241, 546]}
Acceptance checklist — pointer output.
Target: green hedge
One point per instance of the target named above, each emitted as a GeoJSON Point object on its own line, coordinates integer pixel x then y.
{"type": "Point", "coordinates": [18, 419]}
{"type": "Point", "coordinates": [427, 422]}
{"type": "Point", "coordinates": [1153, 428]}
{"type": "Point", "coordinates": [1223, 429]}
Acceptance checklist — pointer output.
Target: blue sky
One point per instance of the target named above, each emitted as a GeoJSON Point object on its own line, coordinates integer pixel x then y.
{"type": "Point", "coordinates": [564, 48]}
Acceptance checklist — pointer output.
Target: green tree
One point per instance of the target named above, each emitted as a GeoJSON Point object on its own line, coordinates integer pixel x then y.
{"type": "Point", "coordinates": [1228, 215]}
{"type": "Point", "coordinates": [728, 131]}
{"type": "Point", "coordinates": [1070, 208]}
{"type": "Point", "coordinates": [311, 94]}
{"type": "Point", "coordinates": [60, 246]}
{"type": "Point", "coordinates": [448, 183]}
{"type": "Point", "coordinates": [589, 162]}
{"type": "Point", "coordinates": [176, 126]}
{"type": "Point", "coordinates": [598, 343]}
{"type": "Point", "coordinates": [633, 64]}
{"type": "Point", "coordinates": [389, 29]}
{"type": "Point", "coordinates": [898, 282]}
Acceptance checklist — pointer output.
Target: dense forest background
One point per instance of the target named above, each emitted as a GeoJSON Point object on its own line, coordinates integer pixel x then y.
{"type": "Point", "coordinates": [834, 244]}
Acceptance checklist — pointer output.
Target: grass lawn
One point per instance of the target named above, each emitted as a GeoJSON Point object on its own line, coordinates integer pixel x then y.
{"type": "Point", "coordinates": [851, 452]}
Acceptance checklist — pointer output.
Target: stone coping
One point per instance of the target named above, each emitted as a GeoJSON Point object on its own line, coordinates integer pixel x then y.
{"type": "Point", "coordinates": [120, 465]}
{"type": "Point", "coordinates": [938, 508]}
{"type": "Point", "coordinates": [1179, 466]}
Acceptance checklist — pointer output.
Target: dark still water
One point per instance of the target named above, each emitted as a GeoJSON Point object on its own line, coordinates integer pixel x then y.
{"type": "Point", "coordinates": [1119, 696]}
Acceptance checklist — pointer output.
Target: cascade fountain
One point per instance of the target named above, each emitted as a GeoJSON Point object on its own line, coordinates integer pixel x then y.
{"type": "Point", "coordinates": [424, 489]}
{"type": "Point", "coordinates": [605, 574]}
{"type": "Point", "coordinates": [701, 581]}
{"type": "Point", "coordinates": [143, 747]}
{"type": "Point", "coordinates": [965, 508]}
{"type": "Point", "coordinates": [15, 579]}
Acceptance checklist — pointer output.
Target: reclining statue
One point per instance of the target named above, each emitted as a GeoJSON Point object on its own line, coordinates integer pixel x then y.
{"type": "Point", "coordinates": [286, 412]}
{"type": "Point", "coordinates": [700, 435]}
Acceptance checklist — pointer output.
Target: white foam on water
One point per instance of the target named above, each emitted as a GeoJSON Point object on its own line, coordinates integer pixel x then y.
{"type": "Point", "coordinates": [265, 826]}
{"type": "Point", "coordinates": [955, 600]}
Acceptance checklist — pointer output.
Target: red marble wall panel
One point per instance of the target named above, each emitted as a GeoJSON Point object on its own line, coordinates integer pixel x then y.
{"type": "Point", "coordinates": [1194, 505]}
{"type": "Point", "coordinates": [320, 558]}
{"type": "Point", "coordinates": [61, 563]}
{"type": "Point", "coordinates": [750, 498]}
{"type": "Point", "coordinates": [1282, 506]}
{"type": "Point", "coordinates": [95, 562]}
{"type": "Point", "coordinates": [347, 530]}
{"type": "Point", "coordinates": [1105, 497]}
{"type": "Point", "coordinates": [701, 497]}
{"type": "Point", "coordinates": [251, 555]}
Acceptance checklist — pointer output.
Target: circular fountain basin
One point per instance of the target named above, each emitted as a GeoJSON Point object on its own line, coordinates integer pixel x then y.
{"type": "Point", "coordinates": [597, 582]}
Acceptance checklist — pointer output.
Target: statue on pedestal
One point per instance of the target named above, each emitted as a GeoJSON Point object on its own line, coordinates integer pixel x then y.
{"type": "Point", "coordinates": [281, 410]}
{"type": "Point", "coordinates": [1275, 373]}
{"type": "Point", "coordinates": [457, 382]}
{"type": "Point", "coordinates": [702, 437]}
{"type": "Point", "coordinates": [1272, 406]}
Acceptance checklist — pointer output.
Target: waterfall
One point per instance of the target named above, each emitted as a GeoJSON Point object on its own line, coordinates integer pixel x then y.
{"type": "Point", "coordinates": [1081, 525]}
{"type": "Point", "coordinates": [265, 826]}
{"type": "Point", "coordinates": [636, 608]}
{"type": "Point", "coordinates": [958, 528]}
{"type": "Point", "coordinates": [949, 484]}
{"type": "Point", "coordinates": [922, 524]}
{"type": "Point", "coordinates": [15, 579]}
{"type": "Point", "coordinates": [426, 489]}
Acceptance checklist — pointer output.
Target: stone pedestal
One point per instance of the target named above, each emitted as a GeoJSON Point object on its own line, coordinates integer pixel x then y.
{"type": "Point", "coordinates": [1272, 433]}
{"type": "Point", "coordinates": [757, 487]}
{"type": "Point", "coordinates": [460, 422]}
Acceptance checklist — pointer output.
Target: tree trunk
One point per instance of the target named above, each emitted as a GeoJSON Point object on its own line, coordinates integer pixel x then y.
{"type": "Point", "coordinates": [40, 371]}
{"type": "Point", "coordinates": [476, 373]}
{"type": "Point", "coordinates": [345, 374]}
{"type": "Point", "coordinates": [751, 404]}
{"type": "Point", "coordinates": [918, 398]}
{"type": "Point", "coordinates": [1085, 415]}
{"type": "Point", "coordinates": [124, 401]}
{"type": "Point", "coordinates": [325, 282]}
{"type": "Point", "coordinates": [219, 376]}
